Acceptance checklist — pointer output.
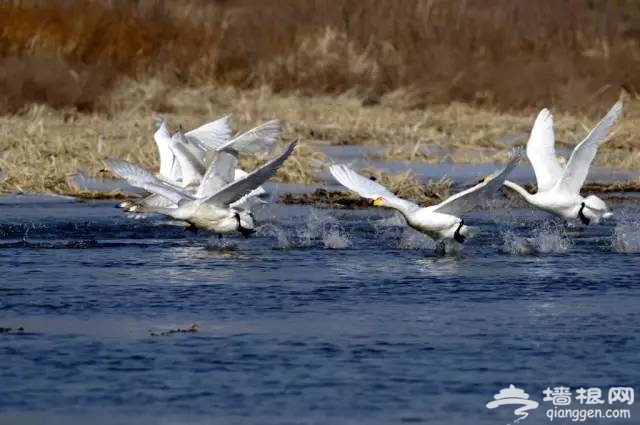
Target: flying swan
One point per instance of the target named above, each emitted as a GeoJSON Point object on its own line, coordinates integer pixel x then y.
{"type": "Point", "coordinates": [440, 222]}
{"type": "Point", "coordinates": [558, 188]}
{"type": "Point", "coordinates": [211, 206]}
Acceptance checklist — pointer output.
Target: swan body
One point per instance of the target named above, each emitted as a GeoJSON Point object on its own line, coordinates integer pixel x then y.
{"type": "Point", "coordinates": [559, 187]}
{"type": "Point", "coordinates": [440, 222]}
{"type": "Point", "coordinates": [211, 208]}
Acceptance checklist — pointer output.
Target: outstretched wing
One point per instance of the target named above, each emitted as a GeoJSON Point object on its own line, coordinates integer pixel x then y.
{"type": "Point", "coordinates": [162, 138]}
{"type": "Point", "coordinates": [139, 177]}
{"type": "Point", "coordinates": [542, 153]}
{"type": "Point", "coordinates": [365, 187]}
{"type": "Point", "coordinates": [156, 201]}
{"type": "Point", "coordinates": [220, 173]}
{"type": "Point", "coordinates": [577, 169]}
{"type": "Point", "coordinates": [238, 188]}
{"type": "Point", "coordinates": [189, 157]}
{"type": "Point", "coordinates": [257, 140]}
{"type": "Point", "coordinates": [478, 194]}
{"type": "Point", "coordinates": [211, 135]}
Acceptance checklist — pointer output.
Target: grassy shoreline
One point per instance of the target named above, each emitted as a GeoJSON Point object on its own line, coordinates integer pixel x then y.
{"type": "Point", "coordinates": [42, 147]}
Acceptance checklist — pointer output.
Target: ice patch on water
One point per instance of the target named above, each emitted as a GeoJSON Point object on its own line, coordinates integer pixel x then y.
{"type": "Point", "coordinates": [626, 237]}
{"type": "Point", "coordinates": [549, 238]}
{"type": "Point", "coordinates": [335, 238]}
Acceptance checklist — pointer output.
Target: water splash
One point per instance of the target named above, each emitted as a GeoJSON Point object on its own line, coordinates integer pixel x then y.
{"type": "Point", "coordinates": [549, 238]}
{"type": "Point", "coordinates": [394, 220]}
{"type": "Point", "coordinates": [412, 239]}
{"type": "Point", "coordinates": [314, 227]}
{"type": "Point", "coordinates": [626, 237]}
{"type": "Point", "coordinates": [319, 228]}
{"type": "Point", "coordinates": [277, 232]}
{"type": "Point", "coordinates": [335, 238]}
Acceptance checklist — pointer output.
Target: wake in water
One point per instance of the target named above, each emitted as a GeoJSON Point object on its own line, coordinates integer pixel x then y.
{"type": "Point", "coordinates": [548, 238]}
{"type": "Point", "coordinates": [626, 236]}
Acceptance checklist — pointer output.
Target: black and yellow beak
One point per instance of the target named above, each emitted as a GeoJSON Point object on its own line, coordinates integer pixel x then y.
{"type": "Point", "coordinates": [484, 179]}
{"type": "Point", "coordinates": [378, 202]}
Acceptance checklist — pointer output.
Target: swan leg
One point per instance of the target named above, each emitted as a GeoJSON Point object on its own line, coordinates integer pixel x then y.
{"type": "Point", "coordinates": [192, 228]}
{"type": "Point", "coordinates": [440, 248]}
{"type": "Point", "coordinates": [585, 220]}
{"type": "Point", "coordinates": [243, 230]}
{"type": "Point", "coordinates": [457, 236]}
{"type": "Point", "coordinates": [246, 232]}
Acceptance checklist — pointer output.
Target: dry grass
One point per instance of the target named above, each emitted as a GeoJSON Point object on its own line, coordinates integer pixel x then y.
{"type": "Point", "coordinates": [573, 55]}
{"type": "Point", "coordinates": [43, 146]}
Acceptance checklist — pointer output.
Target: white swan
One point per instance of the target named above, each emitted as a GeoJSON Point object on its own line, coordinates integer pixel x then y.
{"type": "Point", "coordinates": [441, 221]}
{"type": "Point", "coordinates": [210, 208]}
{"type": "Point", "coordinates": [559, 188]}
{"type": "Point", "coordinates": [183, 156]}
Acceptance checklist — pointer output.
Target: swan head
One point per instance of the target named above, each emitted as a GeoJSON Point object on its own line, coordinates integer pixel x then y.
{"type": "Point", "coordinates": [484, 179]}
{"type": "Point", "coordinates": [379, 202]}
{"type": "Point", "coordinates": [158, 120]}
{"type": "Point", "coordinates": [125, 205]}
{"type": "Point", "coordinates": [135, 208]}
{"type": "Point", "coordinates": [595, 209]}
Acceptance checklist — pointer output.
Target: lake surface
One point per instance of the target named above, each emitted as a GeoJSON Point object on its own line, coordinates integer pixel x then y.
{"type": "Point", "coordinates": [322, 317]}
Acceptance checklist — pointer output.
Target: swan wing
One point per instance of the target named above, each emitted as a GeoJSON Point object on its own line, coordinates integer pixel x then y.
{"type": "Point", "coordinates": [139, 177]}
{"type": "Point", "coordinates": [577, 169]}
{"type": "Point", "coordinates": [162, 138]}
{"type": "Point", "coordinates": [189, 158]}
{"type": "Point", "coordinates": [222, 169]}
{"type": "Point", "coordinates": [542, 153]}
{"type": "Point", "coordinates": [363, 186]}
{"type": "Point", "coordinates": [244, 185]}
{"type": "Point", "coordinates": [478, 194]}
{"type": "Point", "coordinates": [252, 198]}
{"type": "Point", "coordinates": [220, 173]}
{"type": "Point", "coordinates": [157, 201]}
{"type": "Point", "coordinates": [257, 140]}
{"type": "Point", "coordinates": [211, 135]}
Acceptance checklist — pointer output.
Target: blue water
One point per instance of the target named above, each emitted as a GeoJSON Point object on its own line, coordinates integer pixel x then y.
{"type": "Point", "coordinates": [323, 317]}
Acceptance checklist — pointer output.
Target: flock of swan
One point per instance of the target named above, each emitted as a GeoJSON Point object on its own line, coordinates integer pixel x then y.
{"type": "Point", "coordinates": [216, 196]}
